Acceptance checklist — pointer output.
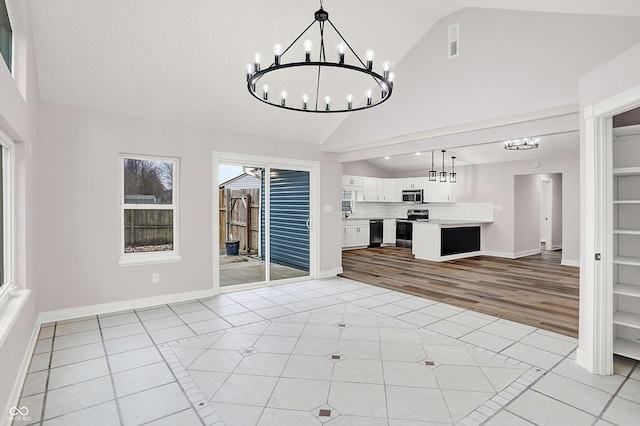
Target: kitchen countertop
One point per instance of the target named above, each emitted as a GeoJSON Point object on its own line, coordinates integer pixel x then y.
{"type": "Point", "coordinates": [367, 218]}
{"type": "Point", "coordinates": [454, 222]}
{"type": "Point", "coordinates": [443, 222]}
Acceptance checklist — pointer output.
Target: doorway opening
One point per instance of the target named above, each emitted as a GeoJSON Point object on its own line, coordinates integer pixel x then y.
{"type": "Point", "coordinates": [538, 214]}
{"type": "Point", "coordinates": [263, 223]}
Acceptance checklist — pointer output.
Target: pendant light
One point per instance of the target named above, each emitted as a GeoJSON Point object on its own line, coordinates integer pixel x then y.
{"type": "Point", "coordinates": [443, 174]}
{"type": "Point", "coordinates": [453, 176]}
{"type": "Point", "coordinates": [432, 172]}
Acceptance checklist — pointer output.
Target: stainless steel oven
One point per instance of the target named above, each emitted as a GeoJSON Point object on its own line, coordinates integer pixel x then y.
{"type": "Point", "coordinates": [412, 196]}
{"type": "Point", "coordinates": [404, 233]}
{"type": "Point", "coordinates": [404, 226]}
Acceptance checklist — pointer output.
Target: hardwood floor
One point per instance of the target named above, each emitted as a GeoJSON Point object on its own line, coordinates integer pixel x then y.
{"type": "Point", "coordinates": [534, 290]}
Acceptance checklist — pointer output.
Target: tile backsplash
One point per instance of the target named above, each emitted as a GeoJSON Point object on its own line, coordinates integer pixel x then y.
{"type": "Point", "coordinates": [449, 211]}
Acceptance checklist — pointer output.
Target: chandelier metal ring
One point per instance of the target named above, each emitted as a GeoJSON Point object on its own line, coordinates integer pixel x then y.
{"type": "Point", "coordinates": [382, 82]}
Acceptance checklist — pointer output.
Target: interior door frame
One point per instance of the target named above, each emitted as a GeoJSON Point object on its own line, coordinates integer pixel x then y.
{"type": "Point", "coordinates": [268, 163]}
{"type": "Point", "coordinates": [546, 230]}
{"type": "Point", "coordinates": [595, 350]}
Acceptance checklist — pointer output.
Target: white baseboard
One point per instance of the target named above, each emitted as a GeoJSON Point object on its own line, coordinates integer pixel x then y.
{"type": "Point", "coordinates": [556, 247]}
{"type": "Point", "coordinates": [460, 256]}
{"type": "Point", "coordinates": [14, 396]}
{"type": "Point", "coordinates": [526, 253]}
{"type": "Point", "coordinates": [505, 255]}
{"type": "Point", "coordinates": [569, 262]}
{"type": "Point", "coordinates": [330, 273]}
{"type": "Point", "coordinates": [104, 308]}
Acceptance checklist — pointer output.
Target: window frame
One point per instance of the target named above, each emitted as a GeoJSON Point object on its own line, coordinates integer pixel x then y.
{"type": "Point", "coordinates": [150, 258]}
{"type": "Point", "coordinates": [8, 217]}
{"type": "Point", "coordinates": [9, 62]}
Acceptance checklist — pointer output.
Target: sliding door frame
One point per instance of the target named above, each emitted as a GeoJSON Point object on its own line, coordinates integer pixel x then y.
{"type": "Point", "coordinates": [268, 163]}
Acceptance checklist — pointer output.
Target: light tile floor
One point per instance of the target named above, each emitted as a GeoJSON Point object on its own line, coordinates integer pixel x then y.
{"type": "Point", "coordinates": [333, 352]}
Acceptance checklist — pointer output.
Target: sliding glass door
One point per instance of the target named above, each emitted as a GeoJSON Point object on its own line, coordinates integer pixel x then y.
{"type": "Point", "coordinates": [289, 224]}
{"type": "Point", "coordinates": [264, 224]}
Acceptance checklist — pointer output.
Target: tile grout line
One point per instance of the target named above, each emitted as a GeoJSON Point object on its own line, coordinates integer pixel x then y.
{"type": "Point", "coordinates": [161, 350]}
{"type": "Point", "coordinates": [615, 394]}
{"type": "Point", "coordinates": [113, 385]}
{"type": "Point", "coordinates": [519, 386]}
{"type": "Point", "coordinates": [543, 373]}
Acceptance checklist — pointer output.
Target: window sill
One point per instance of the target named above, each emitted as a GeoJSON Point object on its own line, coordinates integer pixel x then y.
{"type": "Point", "coordinates": [12, 301]}
{"type": "Point", "coordinates": [141, 259]}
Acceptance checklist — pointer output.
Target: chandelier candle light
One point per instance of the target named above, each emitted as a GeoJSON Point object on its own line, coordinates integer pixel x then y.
{"type": "Point", "coordinates": [323, 77]}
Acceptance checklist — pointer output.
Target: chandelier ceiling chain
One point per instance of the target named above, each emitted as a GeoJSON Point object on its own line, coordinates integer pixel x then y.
{"type": "Point", "coordinates": [383, 81]}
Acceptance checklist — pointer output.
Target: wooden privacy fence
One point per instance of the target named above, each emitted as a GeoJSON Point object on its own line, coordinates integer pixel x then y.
{"type": "Point", "coordinates": [239, 218]}
{"type": "Point", "coordinates": [148, 227]}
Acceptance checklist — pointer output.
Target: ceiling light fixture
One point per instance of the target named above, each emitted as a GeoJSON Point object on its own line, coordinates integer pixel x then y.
{"type": "Point", "coordinates": [321, 101]}
{"type": "Point", "coordinates": [432, 173]}
{"type": "Point", "coordinates": [418, 153]}
{"type": "Point", "coordinates": [453, 176]}
{"type": "Point", "coordinates": [443, 174]}
{"type": "Point", "coordinates": [387, 157]}
{"type": "Point", "coordinates": [520, 144]}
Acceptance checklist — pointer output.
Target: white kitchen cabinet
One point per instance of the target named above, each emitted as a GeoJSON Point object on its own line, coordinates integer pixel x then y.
{"type": "Point", "coordinates": [354, 183]}
{"type": "Point", "coordinates": [379, 190]}
{"type": "Point", "coordinates": [389, 231]}
{"type": "Point", "coordinates": [373, 188]}
{"type": "Point", "coordinates": [440, 192]}
{"type": "Point", "coordinates": [625, 236]}
{"type": "Point", "coordinates": [390, 192]}
{"type": "Point", "coordinates": [413, 183]}
{"type": "Point", "coordinates": [355, 233]}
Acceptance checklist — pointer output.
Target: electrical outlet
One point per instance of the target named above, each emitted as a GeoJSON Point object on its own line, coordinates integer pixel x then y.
{"type": "Point", "coordinates": [525, 241]}
{"type": "Point", "coordinates": [155, 277]}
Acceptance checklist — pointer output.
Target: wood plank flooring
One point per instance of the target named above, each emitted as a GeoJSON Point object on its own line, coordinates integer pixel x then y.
{"type": "Point", "coordinates": [534, 290]}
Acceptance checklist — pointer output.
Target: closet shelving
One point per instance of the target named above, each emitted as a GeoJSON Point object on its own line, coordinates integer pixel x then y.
{"type": "Point", "coordinates": [626, 241]}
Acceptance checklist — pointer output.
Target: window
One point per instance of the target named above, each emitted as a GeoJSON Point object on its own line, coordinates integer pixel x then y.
{"type": "Point", "coordinates": [6, 43]}
{"type": "Point", "coordinates": [149, 210]}
{"type": "Point", "coordinates": [6, 222]}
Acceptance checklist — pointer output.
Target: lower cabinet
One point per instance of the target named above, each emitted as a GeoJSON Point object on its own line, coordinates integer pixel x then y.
{"type": "Point", "coordinates": [355, 234]}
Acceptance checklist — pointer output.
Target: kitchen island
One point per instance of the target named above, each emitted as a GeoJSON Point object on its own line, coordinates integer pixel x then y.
{"type": "Point", "coordinates": [440, 240]}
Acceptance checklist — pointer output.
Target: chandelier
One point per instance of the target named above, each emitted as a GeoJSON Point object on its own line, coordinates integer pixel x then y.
{"type": "Point", "coordinates": [524, 143]}
{"type": "Point", "coordinates": [353, 82]}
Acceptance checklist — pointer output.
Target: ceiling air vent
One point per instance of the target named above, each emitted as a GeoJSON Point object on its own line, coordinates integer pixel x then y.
{"type": "Point", "coordinates": [454, 43]}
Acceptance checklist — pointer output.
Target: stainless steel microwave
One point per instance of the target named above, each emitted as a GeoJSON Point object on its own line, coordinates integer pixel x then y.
{"type": "Point", "coordinates": [412, 196]}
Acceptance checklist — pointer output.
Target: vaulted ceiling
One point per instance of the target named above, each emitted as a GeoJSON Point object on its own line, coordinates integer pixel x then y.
{"type": "Point", "coordinates": [182, 61]}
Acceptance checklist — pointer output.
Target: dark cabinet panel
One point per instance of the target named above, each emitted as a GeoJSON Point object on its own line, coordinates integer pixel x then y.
{"type": "Point", "coordinates": [459, 240]}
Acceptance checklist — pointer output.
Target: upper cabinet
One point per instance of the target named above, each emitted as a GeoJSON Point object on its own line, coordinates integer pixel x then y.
{"type": "Point", "coordinates": [440, 192]}
{"type": "Point", "coordinates": [380, 190]}
{"type": "Point", "coordinates": [413, 183]}
{"type": "Point", "coordinates": [354, 183]}
{"type": "Point", "coordinates": [373, 189]}
{"type": "Point", "coordinates": [389, 190]}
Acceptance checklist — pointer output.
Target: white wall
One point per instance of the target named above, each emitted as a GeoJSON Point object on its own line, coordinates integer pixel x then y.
{"type": "Point", "coordinates": [526, 220]}
{"type": "Point", "coordinates": [527, 191]}
{"type": "Point", "coordinates": [511, 63]}
{"type": "Point", "coordinates": [611, 79]}
{"type": "Point", "coordinates": [363, 168]}
{"type": "Point", "coordinates": [78, 174]}
{"type": "Point", "coordinates": [495, 183]}
{"type": "Point", "coordinates": [18, 117]}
